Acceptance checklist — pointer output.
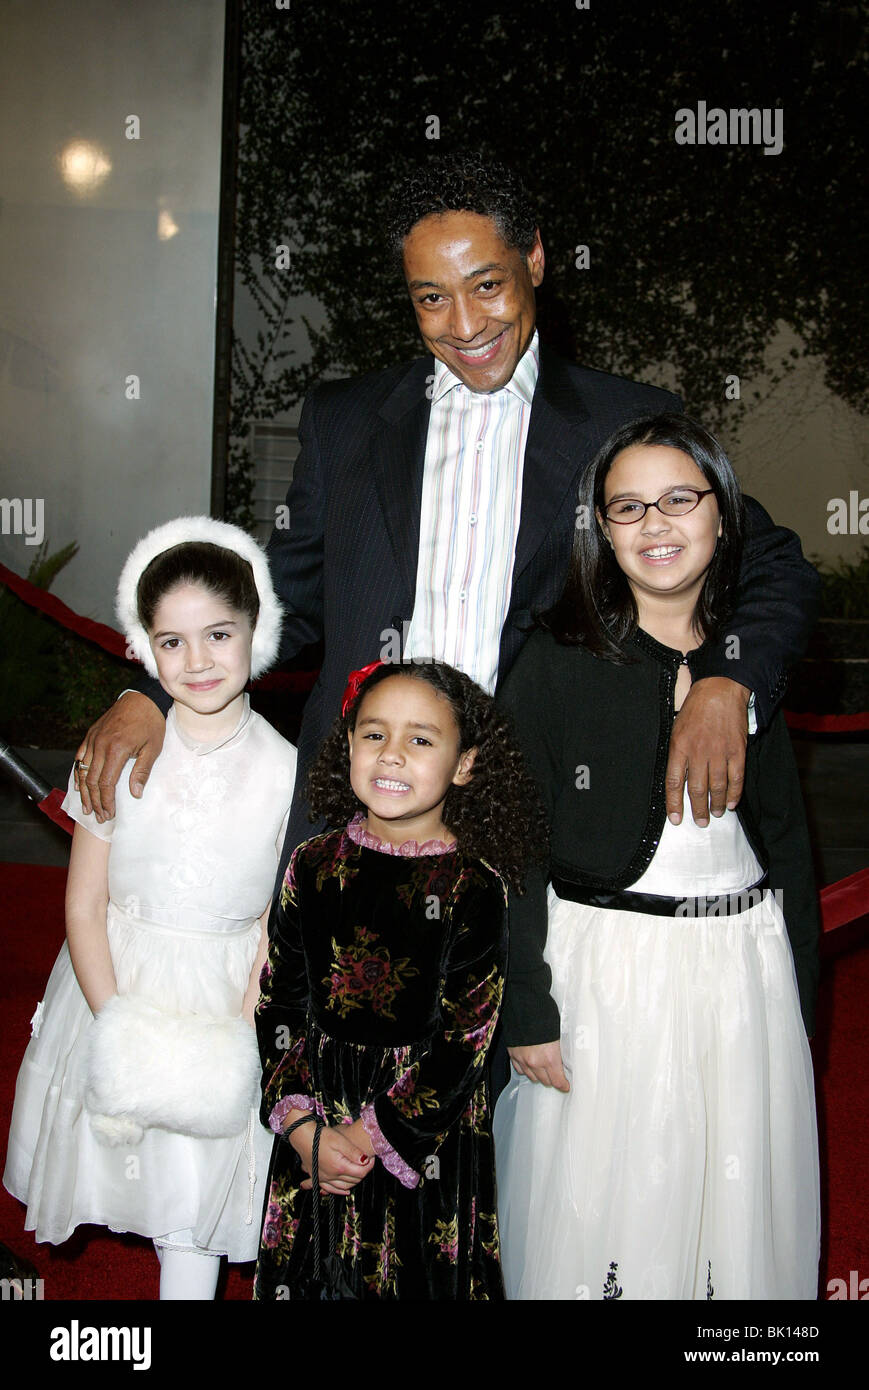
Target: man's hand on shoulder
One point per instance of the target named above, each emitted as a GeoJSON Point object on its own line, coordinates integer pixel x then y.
{"type": "Point", "coordinates": [707, 747]}
{"type": "Point", "coordinates": [132, 728]}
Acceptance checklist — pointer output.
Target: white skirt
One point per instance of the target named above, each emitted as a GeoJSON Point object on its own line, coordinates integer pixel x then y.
{"type": "Point", "coordinates": [683, 1163]}
{"type": "Point", "coordinates": [210, 1189]}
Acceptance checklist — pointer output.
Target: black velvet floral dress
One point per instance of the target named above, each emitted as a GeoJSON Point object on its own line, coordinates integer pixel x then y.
{"type": "Point", "coordinates": [379, 999]}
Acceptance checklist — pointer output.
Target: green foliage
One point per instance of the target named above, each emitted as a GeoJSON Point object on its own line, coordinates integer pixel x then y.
{"type": "Point", "coordinates": [239, 486]}
{"type": "Point", "coordinates": [28, 657]}
{"type": "Point", "coordinates": [698, 253]}
{"type": "Point", "coordinates": [91, 680]}
{"type": "Point", "coordinates": [45, 568]}
{"type": "Point", "coordinates": [53, 684]}
{"type": "Point", "coordinates": [845, 586]}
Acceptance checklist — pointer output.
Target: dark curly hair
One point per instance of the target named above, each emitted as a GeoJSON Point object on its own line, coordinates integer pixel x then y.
{"type": "Point", "coordinates": [463, 181]}
{"type": "Point", "coordinates": [496, 816]}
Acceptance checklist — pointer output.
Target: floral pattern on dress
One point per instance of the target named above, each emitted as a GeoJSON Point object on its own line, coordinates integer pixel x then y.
{"type": "Point", "coordinates": [334, 862]}
{"type": "Point", "coordinates": [293, 1061]}
{"type": "Point", "coordinates": [350, 1240]}
{"type": "Point", "coordinates": [446, 1237]}
{"type": "Point", "coordinates": [381, 1258]}
{"type": "Point", "coordinates": [273, 1222]}
{"type": "Point", "coordinates": [474, 1017]}
{"type": "Point", "coordinates": [365, 973]}
{"type": "Point", "coordinates": [432, 882]}
{"type": "Point", "coordinates": [411, 1099]}
{"type": "Point", "coordinates": [491, 1242]}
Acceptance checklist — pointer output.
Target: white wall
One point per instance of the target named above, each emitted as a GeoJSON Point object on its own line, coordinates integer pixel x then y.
{"type": "Point", "coordinates": [107, 276]}
{"type": "Point", "coordinates": [798, 448]}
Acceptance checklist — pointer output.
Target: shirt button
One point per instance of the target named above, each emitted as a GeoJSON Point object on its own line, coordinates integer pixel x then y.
{"type": "Point", "coordinates": [473, 519]}
{"type": "Point", "coordinates": [463, 596]}
{"type": "Point", "coordinates": [479, 446]}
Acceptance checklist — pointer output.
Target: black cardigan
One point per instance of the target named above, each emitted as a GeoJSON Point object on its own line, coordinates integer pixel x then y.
{"type": "Point", "coordinates": [596, 737]}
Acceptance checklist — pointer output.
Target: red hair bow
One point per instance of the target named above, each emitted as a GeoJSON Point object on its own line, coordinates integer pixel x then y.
{"type": "Point", "coordinates": [355, 682]}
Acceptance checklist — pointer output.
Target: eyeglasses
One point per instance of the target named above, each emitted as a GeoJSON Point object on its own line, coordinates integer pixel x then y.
{"type": "Point", "coordinates": [678, 502]}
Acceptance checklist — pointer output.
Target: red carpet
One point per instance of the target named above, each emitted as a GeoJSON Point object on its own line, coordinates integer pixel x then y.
{"type": "Point", "coordinates": [95, 1264]}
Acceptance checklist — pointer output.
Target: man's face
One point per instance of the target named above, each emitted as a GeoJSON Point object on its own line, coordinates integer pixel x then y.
{"type": "Point", "coordinates": [473, 296]}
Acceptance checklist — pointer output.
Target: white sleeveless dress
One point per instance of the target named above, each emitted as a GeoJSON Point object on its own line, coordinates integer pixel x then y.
{"type": "Point", "coordinates": [191, 868]}
{"type": "Point", "coordinates": [683, 1163]}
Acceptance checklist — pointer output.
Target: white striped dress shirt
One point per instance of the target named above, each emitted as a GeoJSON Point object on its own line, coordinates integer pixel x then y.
{"type": "Point", "coordinates": [471, 504]}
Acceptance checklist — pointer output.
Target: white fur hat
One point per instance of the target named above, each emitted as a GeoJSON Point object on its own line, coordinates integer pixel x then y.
{"type": "Point", "coordinates": [267, 633]}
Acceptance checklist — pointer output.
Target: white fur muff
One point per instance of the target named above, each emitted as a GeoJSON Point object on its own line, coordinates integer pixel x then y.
{"type": "Point", "coordinates": [189, 1073]}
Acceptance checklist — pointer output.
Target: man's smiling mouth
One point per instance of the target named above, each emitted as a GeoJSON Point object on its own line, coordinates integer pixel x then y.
{"type": "Point", "coordinates": [487, 350]}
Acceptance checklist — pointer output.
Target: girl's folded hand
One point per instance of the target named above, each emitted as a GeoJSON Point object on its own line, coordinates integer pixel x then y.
{"type": "Point", "coordinates": [340, 1161]}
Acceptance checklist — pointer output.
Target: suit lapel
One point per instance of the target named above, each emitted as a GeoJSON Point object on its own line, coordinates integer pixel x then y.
{"type": "Point", "coordinates": [397, 458]}
{"type": "Point", "coordinates": [557, 446]}
{"type": "Point", "coordinates": [554, 451]}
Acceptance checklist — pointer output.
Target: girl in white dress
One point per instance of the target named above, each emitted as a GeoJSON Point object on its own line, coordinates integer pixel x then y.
{"type": "Point", "coordinates": [136, 1102]}
{"type": "Point", "coordinates": [658, 1137]}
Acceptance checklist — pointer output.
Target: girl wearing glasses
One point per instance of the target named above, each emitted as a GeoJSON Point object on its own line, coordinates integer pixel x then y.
{"type": "Point", "coordinates": [658, 1138]}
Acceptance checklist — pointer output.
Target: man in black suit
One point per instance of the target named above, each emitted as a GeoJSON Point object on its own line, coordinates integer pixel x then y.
{"type": "Point", "coordinates": [347, 566]}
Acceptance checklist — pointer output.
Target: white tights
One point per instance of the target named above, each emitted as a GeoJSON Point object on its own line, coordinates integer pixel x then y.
{"type": "Point", "coordinates": [187, 1274]}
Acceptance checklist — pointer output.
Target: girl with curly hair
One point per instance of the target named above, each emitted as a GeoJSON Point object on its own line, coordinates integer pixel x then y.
{"type": "Point", "coordinates": [381, 994]}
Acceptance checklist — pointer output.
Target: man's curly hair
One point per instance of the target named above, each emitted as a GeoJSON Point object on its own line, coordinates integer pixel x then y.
{"type": "Point", "coordinates": [462, 182]}
{"type": "Point", "coordinates": [496, 816]}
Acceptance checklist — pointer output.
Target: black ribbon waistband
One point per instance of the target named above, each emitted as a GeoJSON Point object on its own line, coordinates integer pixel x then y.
{"type": "Point", "coordinates": [714, 905]}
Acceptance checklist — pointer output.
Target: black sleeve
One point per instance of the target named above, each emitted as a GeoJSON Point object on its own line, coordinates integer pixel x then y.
{"type": "Point", "coordinates": [417, 1110]}
{"type": "Point", "coordinates": [529, 1014]}
{"type": "Point", "coordinates": [281, 1011]}
{"type": "Point", "coordinates": [147, 685]}
{"type": "Point", "coordinates": [785, 836]}
{"type": "Point", "coordinates": [777, 604]}
{"type": "Point", "coordinates": [295, 550]}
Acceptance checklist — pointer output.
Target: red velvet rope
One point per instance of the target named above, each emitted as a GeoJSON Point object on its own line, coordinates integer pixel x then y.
{"type": "Point", "coordinates": [103, 636]}
{"type": "Point", "coordinates": [112, 641]}
{"type": "Point", "coordinates": [53, 809]}
{"type": "Point", "coordinates": [845, 901]}
{"type": "Point", "coordinates": [827, 723]}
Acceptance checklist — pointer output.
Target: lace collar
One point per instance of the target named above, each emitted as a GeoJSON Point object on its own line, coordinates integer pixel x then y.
{"type": "Point", "coordinates": [203, 748]}
{"type": "Point", "coordinates": [409, 850]}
